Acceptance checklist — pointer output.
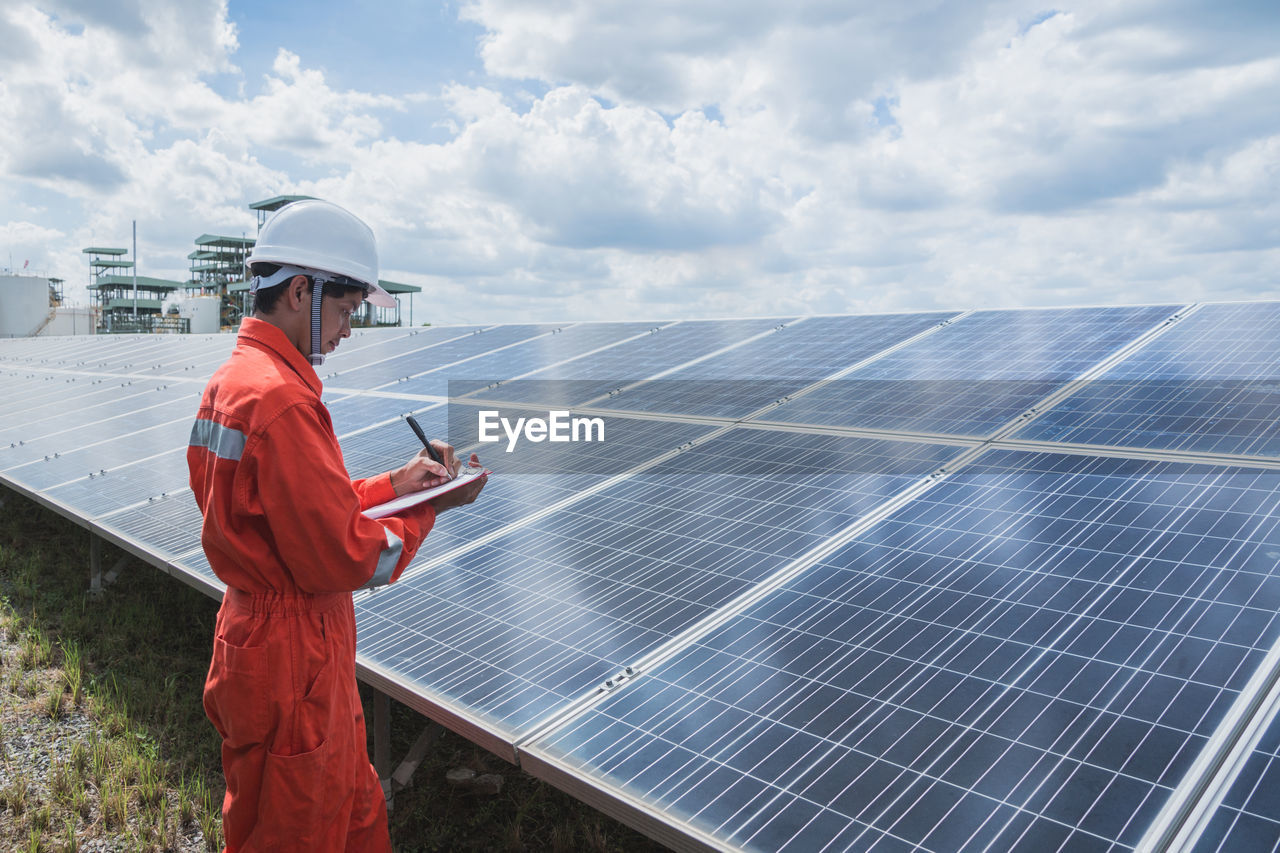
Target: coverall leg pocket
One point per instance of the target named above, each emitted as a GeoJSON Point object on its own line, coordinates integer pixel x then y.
{"type": "Point", "coordinates": [291, 811]}
{"type": "Point", "coordinates": [301, 783]}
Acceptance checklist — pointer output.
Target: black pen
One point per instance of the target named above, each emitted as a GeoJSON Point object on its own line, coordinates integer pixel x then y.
{"type": "Point", "coordinates": [422, 436]}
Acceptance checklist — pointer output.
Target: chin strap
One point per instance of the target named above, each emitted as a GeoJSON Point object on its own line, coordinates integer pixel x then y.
{"type": "Point", "coordinates": [317, 296]}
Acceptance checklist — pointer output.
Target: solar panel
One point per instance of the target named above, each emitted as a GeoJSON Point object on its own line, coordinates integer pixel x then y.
{"type": "Point", "coordinates": [975, 375]}
{"type": "Point", "coordinates": [915, 641]}
{"type": "Point", "coordinates": [1210, 383]}
{"type": "Point", "coordinates": [353, 412]}
{"type": "Point", "coordinates": [84, 406]}
{"type": "Point", "coordinates": [540, 476]}
{"type": "Point", "coordinates": [39, 391]}
{"type": "Point", "coordinates": [1026, 657]}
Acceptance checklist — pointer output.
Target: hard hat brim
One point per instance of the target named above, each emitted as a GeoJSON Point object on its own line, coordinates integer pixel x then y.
{"type": "Point", "coordinates": [375, 295]}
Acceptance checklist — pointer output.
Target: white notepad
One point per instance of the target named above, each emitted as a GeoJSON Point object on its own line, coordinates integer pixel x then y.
{"type": "Point", "coordinates": [391, 507]}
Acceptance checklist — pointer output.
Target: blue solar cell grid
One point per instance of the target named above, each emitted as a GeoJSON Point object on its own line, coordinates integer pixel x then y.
{"type": "Point", "coordinates": [517, 627]}
{"type": "Point", "coordinates": [352, 412]}
{"type": "Point", "coordinates": [975, 375]}
{"type": "Point", "coordinates": [196, 565]}
{"type": "Point", "coordinates": [543, 476]}
{"type": "Point", "coordinates": [39, 394]}
{"type": "Point", "coordinates": [1028, 657]}
{"type": "Point", "coordinates": [1210, 383]}
{"type": "Point", "coordinates": [104, 451]}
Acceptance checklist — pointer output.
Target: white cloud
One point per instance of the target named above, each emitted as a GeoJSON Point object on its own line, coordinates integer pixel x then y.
{"type": "Point", "coordinates": [301, 114]}
{"type": "Point", "coordinates": [693, 159]}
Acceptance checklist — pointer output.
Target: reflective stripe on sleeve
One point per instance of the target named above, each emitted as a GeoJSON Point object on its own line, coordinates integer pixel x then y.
{"type": "Point", "coordinates": [224, 442]}
{"type": "Point", "coordinates": [386, 561]}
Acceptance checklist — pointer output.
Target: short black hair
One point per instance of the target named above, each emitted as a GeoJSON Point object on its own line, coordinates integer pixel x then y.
{"type": "Point", "coordinates": [264, 301]}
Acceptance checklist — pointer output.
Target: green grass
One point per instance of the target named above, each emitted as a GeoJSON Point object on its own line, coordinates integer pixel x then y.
{"type": "Point", "coordinates": [135, 658]}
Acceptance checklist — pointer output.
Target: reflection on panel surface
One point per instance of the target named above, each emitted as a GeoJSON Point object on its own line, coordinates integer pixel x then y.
{"type": "Point", "coordinates": [142, 446]}
{"type": "Point", "coordinates": [976, 374]}
{"type": "Point", "coordinates": [538, 476]}
{"type": "Point", "coordinates": [519, 626]}
{"type": "Point", "coordinates": [80, 439]}
{"type": "Point", "coordinates": [773, 365]}
{"type": "Point", "coordinates": [1029, 656]}
{"type": "Point", "coordinates": [548, 347]}
{"type": "Point", "coordinates": [385, 366]}
{"type": "Point", "coordinates": [359, 411]}
{"type": "Point", "coordinates": [1210, 383]}
{"type": "Point", "coordinates": [1249, 817]}
{"type": "Point", "coordinates": [667, 347]}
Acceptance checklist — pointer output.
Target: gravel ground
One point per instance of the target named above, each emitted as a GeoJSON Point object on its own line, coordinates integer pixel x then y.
{"type": "Point", "coordinates": [32, 744]}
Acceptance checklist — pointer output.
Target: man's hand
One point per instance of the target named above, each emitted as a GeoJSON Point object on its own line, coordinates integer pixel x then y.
{"type": "Point", "coordinates": [421, 472]}
{"type": "Point", "coordinates": [464, 495]}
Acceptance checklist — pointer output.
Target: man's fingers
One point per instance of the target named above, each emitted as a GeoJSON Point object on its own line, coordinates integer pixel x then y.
{"type": "Point", "coordinates": [426, 470]}
{"type": "Point", "coordinates": [460, 497]}
{"type": "Point", "coordinates": [447, 453]}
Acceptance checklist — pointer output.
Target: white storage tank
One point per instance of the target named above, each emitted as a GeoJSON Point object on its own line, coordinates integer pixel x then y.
{"type": "Point", "coordinates": [204, 312]}
{"type": "Point", "coordinates": [24, 305]}
{"type": "Point", "coordinates": [73, 321]}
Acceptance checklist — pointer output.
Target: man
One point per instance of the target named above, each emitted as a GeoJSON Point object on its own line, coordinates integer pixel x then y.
{"type": "Point", "coordinates": [283, 528]}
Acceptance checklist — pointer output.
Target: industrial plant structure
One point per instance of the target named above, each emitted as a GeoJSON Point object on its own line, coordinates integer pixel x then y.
{"type": "Point", "coordinates": [215, 296]}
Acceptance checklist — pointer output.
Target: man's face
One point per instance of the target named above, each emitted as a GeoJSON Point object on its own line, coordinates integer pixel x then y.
{"type": "Point", "coordinates": [335, 319]}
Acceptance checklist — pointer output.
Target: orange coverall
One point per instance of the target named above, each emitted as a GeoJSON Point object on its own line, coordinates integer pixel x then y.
{"type": "Point", "coordinates": [283, 529]}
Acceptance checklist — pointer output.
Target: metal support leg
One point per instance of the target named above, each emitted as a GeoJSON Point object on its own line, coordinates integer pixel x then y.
{"type": "Point", "coordinates": [404, 773]}
{"type": "Point", "coordinates": [95, 565]}
{"type": "Point", "coordinates": [382, 741]}
{"type": "Point", "coordinates": [393, 782]}
{"type": "Point", "coordinates": [97, 580]}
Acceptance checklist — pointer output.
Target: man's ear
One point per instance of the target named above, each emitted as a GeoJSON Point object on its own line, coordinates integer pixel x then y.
{"type": "Point", "coordinates": [296, 295]}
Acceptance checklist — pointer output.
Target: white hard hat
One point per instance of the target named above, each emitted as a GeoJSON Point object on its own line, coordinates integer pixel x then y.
{"type": "Point", "coordinates": [321, 237]}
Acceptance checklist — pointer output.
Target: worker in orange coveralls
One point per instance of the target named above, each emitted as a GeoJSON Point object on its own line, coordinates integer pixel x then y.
{"type": "Point", "coordinates": [283, 529]}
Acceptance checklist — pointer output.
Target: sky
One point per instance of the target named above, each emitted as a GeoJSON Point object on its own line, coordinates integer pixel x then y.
{"type": "Point", "coordinates": [568, 160]}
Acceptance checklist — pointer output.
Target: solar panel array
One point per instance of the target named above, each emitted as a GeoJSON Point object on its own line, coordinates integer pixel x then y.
{"type": "Point", "coordinates": [997, 580]}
